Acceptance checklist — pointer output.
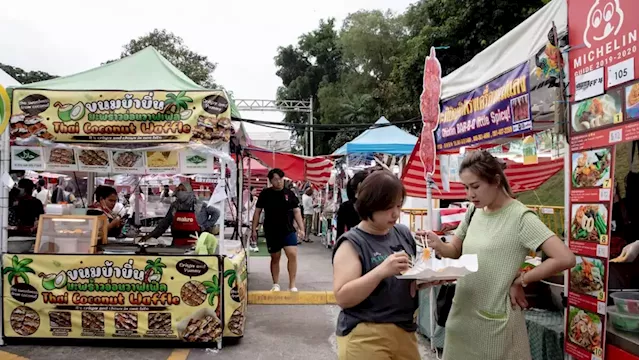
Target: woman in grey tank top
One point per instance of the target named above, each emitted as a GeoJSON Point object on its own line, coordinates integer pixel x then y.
{"type": "Point", "coordinates": [377, 320]}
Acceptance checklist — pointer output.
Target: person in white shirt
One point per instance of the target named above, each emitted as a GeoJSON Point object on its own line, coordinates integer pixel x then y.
{"type": "Point", "coordinates": [42, 193]}
{"type": "Point", "coordinates": [307, 205]}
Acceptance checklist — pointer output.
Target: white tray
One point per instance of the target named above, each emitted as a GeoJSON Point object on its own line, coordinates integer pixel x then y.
{"type": "Point", "coordinates": [442, 269]}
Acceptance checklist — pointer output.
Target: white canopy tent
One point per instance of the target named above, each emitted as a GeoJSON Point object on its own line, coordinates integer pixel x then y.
{"type": "Point", "coordinates": [6, 80]}
{"type": "Point", "coordinates": [514, 48]}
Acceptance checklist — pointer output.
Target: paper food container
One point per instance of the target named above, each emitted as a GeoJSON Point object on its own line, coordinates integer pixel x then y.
{"type": "Point", "coordinates": [442, 269]}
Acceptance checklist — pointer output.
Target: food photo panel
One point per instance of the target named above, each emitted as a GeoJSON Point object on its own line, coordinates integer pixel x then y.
{"type": "Point", "coordinates": [588, 277]}
{"type": "Point", "coordinates": [596, 112]}
{"type": "Point", "coordinates": [128, 161]}
{"type": "Point", "coordinates": [591, 168]}
{"type": "Point", "coordinates": [589, 229]}
{"type": "Point", "coordinates": [585, 333]}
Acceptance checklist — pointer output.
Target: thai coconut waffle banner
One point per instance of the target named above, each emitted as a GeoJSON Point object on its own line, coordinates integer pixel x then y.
{"type": "Point", "coordinates": [103, 296]}
{"type": "Point", "coordinates": [137, 116]}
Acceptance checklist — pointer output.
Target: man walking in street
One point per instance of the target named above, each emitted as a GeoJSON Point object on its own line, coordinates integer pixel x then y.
{"type": "Point", "coordinates": [278, 204]}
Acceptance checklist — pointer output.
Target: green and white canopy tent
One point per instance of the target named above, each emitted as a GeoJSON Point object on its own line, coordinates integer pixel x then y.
{"type": "Point", "coordinates": [144, 70]}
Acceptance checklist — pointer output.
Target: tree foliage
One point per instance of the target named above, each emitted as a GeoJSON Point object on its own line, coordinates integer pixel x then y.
{"type": "Point", "coordinates": [372, 64]}
{"type": "Point", "coordinates": [197, 67]}
{"type": "Point", "coordinates": [26, 77]}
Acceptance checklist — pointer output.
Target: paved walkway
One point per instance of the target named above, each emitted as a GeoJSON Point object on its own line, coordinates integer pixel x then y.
{"type": "Point", "coordinates": [305, 332]}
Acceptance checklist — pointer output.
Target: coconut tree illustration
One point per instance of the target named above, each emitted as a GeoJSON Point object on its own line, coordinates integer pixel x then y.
{"type": "Point", "coordinates": [232, 280]}
{"type": "Point", "coordinates": [18, 270]}
{"type": "Point", "coordinates": [176, 103]}
{"type": "Point", "coordinates": [213, 289]}
{"type": "Point", "coordinates": [231, 274]}
{"type": "Point", "coordinates": [153, 270]}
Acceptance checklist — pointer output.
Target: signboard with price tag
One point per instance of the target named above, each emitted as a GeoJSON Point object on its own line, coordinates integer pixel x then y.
{"type": "Point", "coordinates": [603, 34]}
{"type": "Point", "coordinates": [603, 73]}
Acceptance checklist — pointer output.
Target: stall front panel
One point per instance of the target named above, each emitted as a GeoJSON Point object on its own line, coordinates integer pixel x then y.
{"type": "Point", "coordinates": [114, 297]}
{"type": "Point", "coordinates": [235, 294]}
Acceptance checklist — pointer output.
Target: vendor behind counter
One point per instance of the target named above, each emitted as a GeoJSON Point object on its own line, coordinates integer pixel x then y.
{"type": "Point", "coordinates": [106, 199]}
{"type": "Point", "coordinates": [187, 216]}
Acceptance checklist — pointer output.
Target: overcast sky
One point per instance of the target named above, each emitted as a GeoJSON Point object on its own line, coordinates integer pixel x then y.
{"type": "Point", "coordinates": [242, 36]}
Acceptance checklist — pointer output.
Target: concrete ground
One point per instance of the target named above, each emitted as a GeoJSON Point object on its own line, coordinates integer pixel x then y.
{"type": "Point", "coordinates": [305, 332]}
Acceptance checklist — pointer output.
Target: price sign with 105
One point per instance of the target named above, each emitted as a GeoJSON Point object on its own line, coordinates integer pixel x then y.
{"type": "Point", "coordinates": [621, 72]}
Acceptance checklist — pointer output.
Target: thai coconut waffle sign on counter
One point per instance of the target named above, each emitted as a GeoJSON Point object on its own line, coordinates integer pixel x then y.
{"type": "Point", "coordinates": [235, 295]}
{"type": "Point", "coordinates": [102, 296]}
{"type": "Point", "coordinates": [120, 116]}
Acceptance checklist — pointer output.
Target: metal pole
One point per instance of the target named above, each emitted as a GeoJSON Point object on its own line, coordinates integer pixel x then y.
{"type": "Point", "coordinates": [4, 168]}
{"type": "Point", "coordinates": [311, 127]}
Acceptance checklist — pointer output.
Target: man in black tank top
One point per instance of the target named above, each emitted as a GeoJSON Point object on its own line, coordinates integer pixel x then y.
{"type": "Point", "coordinates": [278, 204]}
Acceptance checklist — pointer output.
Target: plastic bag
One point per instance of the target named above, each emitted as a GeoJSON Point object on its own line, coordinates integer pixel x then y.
{"type": "Point", "coordinates": [207, 244]}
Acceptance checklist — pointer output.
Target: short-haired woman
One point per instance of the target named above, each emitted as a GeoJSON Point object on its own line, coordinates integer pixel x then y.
{"type": "Point", "coordinates": [377, 317]}
{"type": "Point", "coordinates": [485, 321]}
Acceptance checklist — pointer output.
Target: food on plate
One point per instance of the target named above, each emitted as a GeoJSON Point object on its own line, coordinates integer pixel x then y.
{"type": "Point", "coordinates": [60, 319]}
{"type": "Point", "coordinates": [589, 171]}
{"type": "Point", "coordinates": [160, 321]}
{"type": "Point", "coordinates": [426, 254]}
{"type": "Point", "coordinates": [588, 223]}
{"type": "Point", "coordinates": [47, 136]}
{"type": "Point", "coordinates": [585, 329]}
{"type": "Point", "coordinates": [206, 329]}
{"type": "Point", "coordinates": [126, 321]}
{"type": "Point", "coordinates": [24, 320]}
{"type": "Point", "coordinates": [92, 320]}
{"type": "Point", "coordinates": [586, 277]}
{"type": "Point", "coordinates": [127, 159]}
{"type": "Point", "coordinates": [595, 112]}
{"type": "Point", "coordinates": [94, 157]}
{"type": "Point", "coordinates": [162, 159]}
{"type": "Point", "coordinates": [24, 126]}
{"type": "Point", "coordinates": [520, 108]}
{"type": "Point", "coordinates": [193, 293]}
{"type": "Point", "coordinates": [236, 322]}
{"type": "Point", "coordinates": [526, 267]}
{"type": "Point", "coordinates": [211, 129]}
{"type": "Point", "coordinates": [62, 156]}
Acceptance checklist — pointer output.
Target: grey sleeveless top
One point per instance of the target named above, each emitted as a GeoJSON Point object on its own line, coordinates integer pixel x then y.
{"type": "Point", "coordinates": [391, 301]}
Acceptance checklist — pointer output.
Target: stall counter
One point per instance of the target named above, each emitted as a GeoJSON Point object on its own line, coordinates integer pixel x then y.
{"type": "Point", "coordinates": [132, 297]}
{"type": "Point", "coordinates": [621, 345]}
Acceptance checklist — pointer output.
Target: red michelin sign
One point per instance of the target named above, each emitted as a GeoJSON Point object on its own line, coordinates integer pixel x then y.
{"type": "Point", "coordinates": [602, 34]}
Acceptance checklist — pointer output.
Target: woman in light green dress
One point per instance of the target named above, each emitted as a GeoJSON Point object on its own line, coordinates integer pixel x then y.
{"type": "Point", "coordinates": [486, 321]}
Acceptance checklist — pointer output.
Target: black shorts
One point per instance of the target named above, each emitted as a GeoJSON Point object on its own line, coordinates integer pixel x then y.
{"type": "Point", "coordinates": [276, 243]}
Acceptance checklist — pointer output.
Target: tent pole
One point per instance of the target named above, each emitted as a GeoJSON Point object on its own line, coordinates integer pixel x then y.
{"type": "Point", "coordinates": [4, 204]}
{"type": "Point", "coordinates": [311, 126]}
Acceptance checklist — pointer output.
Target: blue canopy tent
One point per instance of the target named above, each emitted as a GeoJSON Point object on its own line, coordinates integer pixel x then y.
{"type": "Point", "coordinates": [382, 139]}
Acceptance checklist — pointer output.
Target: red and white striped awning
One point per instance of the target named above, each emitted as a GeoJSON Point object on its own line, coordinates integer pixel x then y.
{"type": "Point", "coordinates": [316, 170]}
{"type": "Point", "coordinates": [521, 177]}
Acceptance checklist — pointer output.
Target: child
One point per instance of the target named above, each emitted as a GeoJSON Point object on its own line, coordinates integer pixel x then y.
{"type": "Point", "coordinates": [377, 317]}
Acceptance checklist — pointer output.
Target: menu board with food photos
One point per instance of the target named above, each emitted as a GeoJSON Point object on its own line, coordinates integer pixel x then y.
{"type": "Point", "coordinates": [589, 233]}
{"type": "Point", "coordinates": [596, 125]}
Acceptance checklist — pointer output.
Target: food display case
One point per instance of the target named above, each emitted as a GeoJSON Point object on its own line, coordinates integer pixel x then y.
{"type": "Point", "coordinates": [70, 234]}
